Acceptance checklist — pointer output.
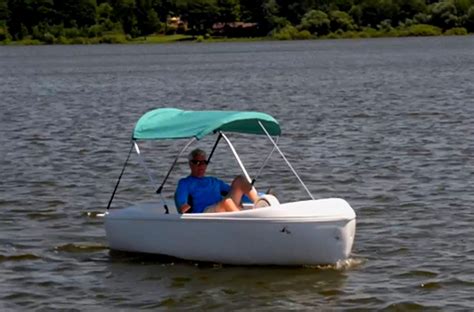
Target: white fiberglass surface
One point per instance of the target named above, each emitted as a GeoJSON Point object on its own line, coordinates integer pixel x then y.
{"type": "Point", "coordinates": [323, 209]}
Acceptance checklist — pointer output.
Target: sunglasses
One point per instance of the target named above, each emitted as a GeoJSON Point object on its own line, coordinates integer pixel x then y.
{"type": "Point", "coordinates": [199, 162]}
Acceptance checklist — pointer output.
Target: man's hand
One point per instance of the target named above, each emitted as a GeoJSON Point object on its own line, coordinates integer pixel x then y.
{"type": "Point", "coordinates": [184, 208]}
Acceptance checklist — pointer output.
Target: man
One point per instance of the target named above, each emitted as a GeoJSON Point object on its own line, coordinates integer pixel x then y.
{"type": "Point", "coordinates": [199, 193]}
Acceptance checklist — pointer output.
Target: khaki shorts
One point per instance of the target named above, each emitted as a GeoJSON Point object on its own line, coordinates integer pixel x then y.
{"type": "Point", "coordinates": [211, 208]}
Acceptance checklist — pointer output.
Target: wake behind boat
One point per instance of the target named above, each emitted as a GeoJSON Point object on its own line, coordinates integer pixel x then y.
{"type": "Point", "coordinates": [306, 232]}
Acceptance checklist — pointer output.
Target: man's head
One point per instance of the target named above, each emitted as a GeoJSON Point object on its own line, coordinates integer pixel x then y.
{"type": "Point", "coordinates": [198, 162]}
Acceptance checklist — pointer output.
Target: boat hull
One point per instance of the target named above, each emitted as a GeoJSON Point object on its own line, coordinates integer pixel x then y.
{"type": "Point", "coordinates": [300, 233]}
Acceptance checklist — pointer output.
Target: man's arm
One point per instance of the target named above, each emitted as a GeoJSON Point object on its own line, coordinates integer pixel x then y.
{"type": "Point", "coordinates": [181, 197]}
{"type": "Point", "coordinates": [184, 208]}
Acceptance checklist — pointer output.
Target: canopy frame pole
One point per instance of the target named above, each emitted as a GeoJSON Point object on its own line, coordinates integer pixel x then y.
{"type": "Point", "coordinates": [236, 157]}
{"type": "Point", "coordinates": [158, 191]}
{"type": "Point", "coordinates": [214, 147]}
{"type": "Point", "coordinates": [143, 164]}
{"type": "Point", "coordinates": [120, 177]}
{"type": "Point", "coordinates": [286, 160]}
{"type": "Point", "coordinates": [265, 162]}
{"type": "Point", "coordinates": [150, 177]}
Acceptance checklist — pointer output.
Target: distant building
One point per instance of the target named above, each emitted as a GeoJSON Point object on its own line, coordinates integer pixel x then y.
{"type": "Point", "coordinates": [176, 25]}
{"type": "Point", "coordinates": [235, 29]}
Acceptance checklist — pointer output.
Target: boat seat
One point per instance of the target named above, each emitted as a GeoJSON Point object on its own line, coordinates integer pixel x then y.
{"type": "Point", "coordinates": [267, 200]}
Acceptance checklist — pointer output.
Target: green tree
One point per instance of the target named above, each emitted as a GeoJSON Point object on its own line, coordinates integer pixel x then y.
{"type": "Point", "coordinates": [290, 32]}
{"type": "Point", "coordinates": [444, 15]}
{"type": "Point", "coordinates": [147, 18]}
{"type": "Point", "coordinates": [343, 5]}
{"type": "Point", "coordinates": [229, 10]}
{"type": "Point", "coordinates": [462, 6]}
{"type": "Point", "coordinates": [356, 13]}
{"type": "Point", "coordinates": [77, 13]}
{"type": "Point", "coordinates": [16, 10]}
{"type": "Point", "coordinates": [266, 13]}
{"type": "Point", "coordinates": [407, 9]}
{"type": "Point", "coordinates": [104, 12]}
{"type": "Point", "coordinates": [3, 20]}
{"type": "Point", "coordinates": [43, 12]}
{"type": "Point", "coordinates": [272, 17]}
{"type": "Point", "coordinates": [375, 11]}
{"type": "Point", "coordinates": [124, 14]}
{"type": "Point", "coordinates": [469, 22]}
{"type": "Point", "coordinates": [152, 23]}
{"type": "Point", "coordinates": [341, 20]}
{"type": "Point", "coordinates": [3, 11]}
{"type": "Point", "coordinates": [251, 10]}
{"type": "Point", "coordinates": [293, 11]}
{"type": "Point", "coordinates": [324, 5]}
{"type": "Point", "coordinates": [164, 8]}
{"type": "Point", "coordinates": [421, 18]}
{"type": "Point", "coordinates": [200, 15]}
{"type": "Point", "coordinates": [316, 22]}
{"type": "Point", "coordinates": [23, 15]}
{"type": "Point", "coordinates": [105, 15]}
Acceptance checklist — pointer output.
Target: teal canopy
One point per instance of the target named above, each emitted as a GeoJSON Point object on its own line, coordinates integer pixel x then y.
{"type": "Point", "coordinates": [172, 123]}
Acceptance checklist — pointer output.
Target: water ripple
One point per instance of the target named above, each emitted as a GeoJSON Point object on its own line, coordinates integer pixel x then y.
{"type": "Point", "coordinates": [385, 124]}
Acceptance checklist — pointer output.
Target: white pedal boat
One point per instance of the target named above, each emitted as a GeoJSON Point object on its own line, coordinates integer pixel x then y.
{"type": "Point", "coordinates": [308, 232]}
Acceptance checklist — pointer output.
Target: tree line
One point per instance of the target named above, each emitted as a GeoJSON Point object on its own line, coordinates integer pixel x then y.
{"type": "Point", "coordinates": [48, 20]}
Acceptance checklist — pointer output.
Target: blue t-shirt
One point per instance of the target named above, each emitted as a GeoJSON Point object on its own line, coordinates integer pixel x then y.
{"type": "Point", "coordinates": [205, 191]}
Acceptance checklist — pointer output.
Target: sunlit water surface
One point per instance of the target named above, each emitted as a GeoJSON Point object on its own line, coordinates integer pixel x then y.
{"type": "Point", "coordinates": [387, 124]}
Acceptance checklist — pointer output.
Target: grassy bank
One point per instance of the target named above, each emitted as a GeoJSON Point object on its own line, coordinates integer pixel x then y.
{"type": "Point", "coordinates": [286, 33]}
{"type": "Point", "coordinates": [292, 33]}
{"type": "Point", "coordinates": [116, 38]}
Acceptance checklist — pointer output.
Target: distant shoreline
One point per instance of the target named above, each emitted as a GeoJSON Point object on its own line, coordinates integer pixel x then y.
{"type": "Point", "coordinates": [289, 34]}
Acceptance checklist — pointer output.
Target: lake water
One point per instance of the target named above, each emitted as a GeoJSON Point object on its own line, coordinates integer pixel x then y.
{"type": "Point", "coordinates": [387, 124]}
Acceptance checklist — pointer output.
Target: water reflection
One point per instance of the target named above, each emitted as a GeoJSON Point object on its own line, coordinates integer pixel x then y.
{"type": "Point", "coordinates": [187, 284]}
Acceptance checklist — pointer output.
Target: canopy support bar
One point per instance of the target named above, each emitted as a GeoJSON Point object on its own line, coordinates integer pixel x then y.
{"type": "Point", "coordinates": [214, 148]}
{"type": "Point", "coordinates": [150, 177]}
{"type": "Point", "coordinates": [120, 177]}
{"type": "Point", "coordinates": [286, 160]}
{"type": "Point", "coordinates": [265, 162]}
{"type": "Point", "coordinates": [158, 191]}
{"type": "Point", "coordinates": [142, 162]}
{"type": "Point", "coordinates": [236, 157]}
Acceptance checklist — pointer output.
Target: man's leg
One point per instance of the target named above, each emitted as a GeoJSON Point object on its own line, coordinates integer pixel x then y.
{"type": "Point", "coordinates": [225, 205]}
{"type": "Point", "coordinates": [239, 187]}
